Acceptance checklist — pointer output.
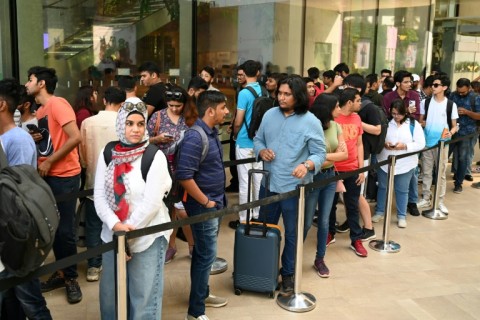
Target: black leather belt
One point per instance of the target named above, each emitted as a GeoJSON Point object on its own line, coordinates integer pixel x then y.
{"type": "Point", "coordinates": [327, 169]}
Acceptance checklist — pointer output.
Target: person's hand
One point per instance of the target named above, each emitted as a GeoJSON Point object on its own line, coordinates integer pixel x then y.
{"type": "Point", "coordinates": [300, 171]}
{"type": "Point", "coordinates": [412, 109]}
{"type": "Point", "coordinates": [161, 138]}
{"type": "Point", "coordinates": [229, 129]}
{"type": "Point", "coordinates": [44, 168]}
{"type": "Point", "coordinates": [390, 146]}
{"type": "Point", "coordinates": [211, 204]}
{"type": "Point", "coordinates": [267, 154]}
{"type": "Point", "coordinates": [36, 136]}
{"type": "Point", "coordinates": [360, 179]}
{"type": "Point", "coordinates": [338, 81]}
{"type": "Point", "coordinates": [124, 227]}
{"type": "Point", "coordinates": [462, 111]}
{"type": "Point", "coordinates": [400, 146]}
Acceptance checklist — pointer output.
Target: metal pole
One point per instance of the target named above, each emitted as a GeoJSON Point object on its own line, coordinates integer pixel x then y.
{"type": "Point", "coordinates": [298, 301]}
{"type": "Point", "coordinates": [121, 268]}
{"type": "Point", "coordinates": [365, 183]}
{"type": "Point", "coordinates": [385, 245]}
{"type": "Point", "coordinates": [435, 213]}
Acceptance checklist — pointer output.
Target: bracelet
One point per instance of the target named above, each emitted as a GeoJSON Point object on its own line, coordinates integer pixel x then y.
{"type": "Point", "coordinates": [206, 203]}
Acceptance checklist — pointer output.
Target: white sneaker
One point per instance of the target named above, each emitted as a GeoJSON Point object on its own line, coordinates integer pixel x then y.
{"type": "Point", "coordinates": [376, 218]}
{"type": "Point", "coordinates": [202, 317]}
{"type": "Point", "coordinates": [215, 302]}
{"type": "Point", "coordinates": [442, 208]}
{"type": "Point", "coordinates": [93, 274]}
{"type": "Point", "coordinates": [424, 203]}
{"type": "Point", "coordinates": [402, 223]}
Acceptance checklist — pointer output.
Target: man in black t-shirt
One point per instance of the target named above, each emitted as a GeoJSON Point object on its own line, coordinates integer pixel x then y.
{"type": "Point", "coordinates": [154, 98]}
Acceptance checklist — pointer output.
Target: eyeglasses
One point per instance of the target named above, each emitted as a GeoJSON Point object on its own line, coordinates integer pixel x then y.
{"type": "Point", "coordinates": [140, 106]}
{"type": "Point", "coordinates": [177, 96]}
{"type": "Point", "coordinates": [436, 85]}
{"type": "Point", "coordinates": [175, 105]}
{"type": "Point", "coordinates": [394, 114]}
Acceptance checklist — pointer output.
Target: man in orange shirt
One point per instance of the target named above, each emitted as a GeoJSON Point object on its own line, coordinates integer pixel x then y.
{"type": "Point", "coordinates": [57, 138]}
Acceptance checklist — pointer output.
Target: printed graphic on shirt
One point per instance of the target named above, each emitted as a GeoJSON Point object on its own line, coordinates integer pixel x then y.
{"type": "Point", "coordinates": [44, 146]}
{"type": "Point", "coordinates": [350, 131]}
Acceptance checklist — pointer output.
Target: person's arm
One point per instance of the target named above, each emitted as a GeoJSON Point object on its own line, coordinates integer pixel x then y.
{"type": "Point", "coordinates": [368, 128]}
{"type": "Point", "coordinates": [82, 148]}
{"type": "Point", "coordinates": [316, 146]}
{"type": "Point", "coordinates": [194, 191]}
{"type": "Point", "coordinates": [240, 115]}
{"type": "Point", "coordinates": [150, 109]}
{"type": "Point", "coordinates": [340, 154]}
{"type": "Point", "coordinates": [472, 114]}
{"type": "Point", "coordinates": [337, 82]}
{"type": "Point", "coordinates": [361, 176]}
{"type": "Point", "coordinates": [74, 138]}
{"type": "Point", "coordinates": [260, 145]}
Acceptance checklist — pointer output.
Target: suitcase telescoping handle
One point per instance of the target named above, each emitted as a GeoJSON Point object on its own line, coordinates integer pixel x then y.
{"type": "Point", "coordinates": [266, 174]}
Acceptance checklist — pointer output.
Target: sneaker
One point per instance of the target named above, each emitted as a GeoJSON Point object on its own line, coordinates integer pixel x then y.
{"type": "Point", "coordinates": [358, 248]}
{"type": "Point", "coordinates": [343, 227]}
{"type": "Point", "coordinates": [468, 177]}
{"type": "Point", "coordinates": [424, 203]}
{"type": "Point", "coordinates": [412, 208]}
{"type": "Point", "coordinates": [171, 252]}
{"type": "Point", "coordinates": [368, 234]}
{"type": "Point", "coordinates": [442, 207]}
{"type": "Point", "coordinates": [287, 285]}
{"type": "Point", "coordinates": [215, 302]}
{"type": "Point", "coordinates": [55, 281]}
{"type": "Point", "coordinates": [74, 294]}
{"type": "Point", "coordinates": [457, 189]}
{"type": "Point", "coordinates": [202, 317]}
{"type": "Point", "coordinates": [402, 223]}
{"type": "Point", "coordinates": [321, 268]}
{"type": "Point", "coordinates": [476, 185]}
{"type": "Point", "coordinates": [330, 238]}
{"type": "Point", "coordinates": [234, 224]}
{"type": "Point", "coordinates": [93, 274]}
{"type": "Point", "coordinates": [376, 218]}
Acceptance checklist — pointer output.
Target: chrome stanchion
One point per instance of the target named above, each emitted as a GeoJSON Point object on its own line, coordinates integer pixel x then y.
{"type": "Point", "coordinates": [298, 301]}
{"type": "Point", "coordinates": [121, 269]}
{"type": "Point", "coordinates": [386, 245]}
{"type": "Point", "coordinates": [435, 213]}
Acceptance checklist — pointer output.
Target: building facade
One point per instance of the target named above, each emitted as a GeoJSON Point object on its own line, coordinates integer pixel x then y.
{"type": "Point", "coordinates": [95, 41]}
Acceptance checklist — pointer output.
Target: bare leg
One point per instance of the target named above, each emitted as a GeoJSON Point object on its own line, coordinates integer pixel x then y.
{"type": "Point", "coordinates": [365, 213]}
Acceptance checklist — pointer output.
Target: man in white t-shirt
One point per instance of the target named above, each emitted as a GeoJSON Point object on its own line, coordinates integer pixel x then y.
{"type": "Point", "coordinates": [439, 115]}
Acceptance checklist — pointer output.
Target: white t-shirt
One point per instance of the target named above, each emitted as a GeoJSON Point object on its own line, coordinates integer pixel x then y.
{"type": "Point", "coordinates": [436, 120]}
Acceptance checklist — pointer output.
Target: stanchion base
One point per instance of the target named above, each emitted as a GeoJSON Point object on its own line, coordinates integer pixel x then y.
{"type": "Point", "coordinates": [434, 214]}
{"type": "Point", "coordinates": [381, 246]}
{"type": "Point", "coordinates": [219, 266]}
{"type": "Point", "coordinates": [297, 302]}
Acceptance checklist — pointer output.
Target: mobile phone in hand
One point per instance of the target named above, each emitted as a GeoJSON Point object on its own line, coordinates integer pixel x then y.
{"type": "Point", "coordinates": [33, 128]}
{"type": "Point", "coordinates": [166, 135]}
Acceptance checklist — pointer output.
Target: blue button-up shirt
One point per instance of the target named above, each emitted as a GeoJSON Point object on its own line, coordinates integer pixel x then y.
{"type": "Point", "coordinates": [467, 124]}
{"type": "Point", "coordinates": [294, 139]}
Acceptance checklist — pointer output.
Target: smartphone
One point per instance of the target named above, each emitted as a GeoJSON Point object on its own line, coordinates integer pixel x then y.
{"type": "Point", "coordinates": [166, 135]}
{"type": "Point", "coordinates": [33, 128]}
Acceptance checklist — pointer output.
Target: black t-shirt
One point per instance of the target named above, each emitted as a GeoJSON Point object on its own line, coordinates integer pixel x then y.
{"type": "Point", "coordinates": [155, 96]}
{"type": "Point", "coordinates": [369, 114]}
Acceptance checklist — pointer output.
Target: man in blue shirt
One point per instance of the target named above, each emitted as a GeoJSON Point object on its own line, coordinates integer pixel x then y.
{"type": "Point", "coordinates": [204, 182]}
{"type": "Point", "coordinates": [291, 143]}
{"type": "Point", "coordinates": [244, 144]}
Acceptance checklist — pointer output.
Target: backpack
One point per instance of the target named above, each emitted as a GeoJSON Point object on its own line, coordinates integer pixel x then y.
{"type": "Point", "coordinates": [449, 111]}
{"type": "Point", "coordinates": [376, 149]}
{"type": "Point", "coordinates": [176, 192]}
{"type": "Point", "coordinates": [28, 217]}
{"type": "Point", "coordinates": [261, 104]}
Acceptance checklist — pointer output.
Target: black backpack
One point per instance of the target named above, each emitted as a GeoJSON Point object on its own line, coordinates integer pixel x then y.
{"type": "Point", "coordinates": [378, 147]}
{"type": "Point", "coordinates": [449, 110]}
{"type": "Point", "coordinates": [28, 217]}
{"type": "Point", "coordinates": [261, 104]}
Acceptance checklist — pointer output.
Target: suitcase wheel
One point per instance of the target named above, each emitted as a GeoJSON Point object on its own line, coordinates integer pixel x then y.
{"type": "Point", "coordinates": [238, 291]}
{"type": "Point", "coordinates": [271, 295]}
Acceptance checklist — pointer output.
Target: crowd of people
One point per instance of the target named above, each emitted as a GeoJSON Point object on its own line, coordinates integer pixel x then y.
{"type": "Point", "coordinates": [311, 131]}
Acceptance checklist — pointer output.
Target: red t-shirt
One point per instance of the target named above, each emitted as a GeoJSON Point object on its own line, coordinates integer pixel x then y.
{"type": "Point", "coordinates": [352, 129]}
{"type": "Point", "coordinates": [56, 113]}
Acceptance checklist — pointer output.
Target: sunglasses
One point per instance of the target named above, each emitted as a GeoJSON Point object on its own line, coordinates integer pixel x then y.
{"type": "Point", "coordinates": [177, 96]}
{"type": "Point", "coordinates": [140, 106]}
{"type": "Point", "coordinates": [436, 85]}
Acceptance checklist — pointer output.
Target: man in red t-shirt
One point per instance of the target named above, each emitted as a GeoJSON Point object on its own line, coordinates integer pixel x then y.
{"type": "Point", "coordinates": [350, 102]}
{"type": "Point", "coordinates": [57, 138]}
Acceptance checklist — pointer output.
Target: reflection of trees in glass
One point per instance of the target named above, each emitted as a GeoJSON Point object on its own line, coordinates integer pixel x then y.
{"type": "Point", "coordinates": [355, 30]}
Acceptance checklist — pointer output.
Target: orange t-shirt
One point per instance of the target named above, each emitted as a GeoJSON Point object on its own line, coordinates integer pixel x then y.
{"type": "Point", "coordinates": [56, 113]}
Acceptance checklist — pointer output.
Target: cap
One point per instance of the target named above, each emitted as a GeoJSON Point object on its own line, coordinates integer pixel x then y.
{"type": "Point", "coordinates": [416, 77]}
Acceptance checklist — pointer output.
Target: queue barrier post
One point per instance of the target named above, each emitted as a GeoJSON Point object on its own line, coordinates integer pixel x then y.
{"type": "Point", "coordinates": [386, 245]}
{"type": "Point", "coordinates": [434, 213]}
{"type": "Point", "coordinates": [121, 272]}
{"type": "Point", "coordinates": [298, 301]}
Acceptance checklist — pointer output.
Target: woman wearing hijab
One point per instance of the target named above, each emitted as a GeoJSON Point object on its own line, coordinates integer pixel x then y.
{"type": "Point", "coordinates": [125, 202]}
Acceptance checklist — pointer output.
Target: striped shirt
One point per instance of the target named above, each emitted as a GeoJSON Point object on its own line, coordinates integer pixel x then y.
{"type": "Point", "coordinates": [209, 175]}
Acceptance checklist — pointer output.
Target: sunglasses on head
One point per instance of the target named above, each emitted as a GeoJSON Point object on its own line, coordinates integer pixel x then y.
{"type": "Point", "coordinates": [436, 85]}
{"type": "Point", "coordinates": [140, 106]}
{"type": "Point", "coordinates": [174, 95]}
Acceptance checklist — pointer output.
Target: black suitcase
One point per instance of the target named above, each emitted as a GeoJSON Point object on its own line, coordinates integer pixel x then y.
{"type": "Point", "coordinates": [256, 252]}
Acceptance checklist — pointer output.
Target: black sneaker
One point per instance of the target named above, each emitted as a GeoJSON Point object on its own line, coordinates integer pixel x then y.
{"type": "Point", "coordinates": [287, 286]}
{"type": "Point", "coordinates": [234, 224]}
{"type": "Point", "coordinates": [457, 189]}
{"type": "Point", "coordinates": [368, 234]}
{"type": "Point", "coordinates": [468, 177]}
{"type": "Point", "coordinates": [413, 209]}
{"type": "Point", "coordinates": [343, 227]}
{"type": "Point", "coordinates": [74, 294]}
{"type": "Point", "coordinates": [55, 281]}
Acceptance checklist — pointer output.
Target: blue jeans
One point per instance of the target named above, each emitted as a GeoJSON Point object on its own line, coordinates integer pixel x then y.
{"type": "Point", "coordinates": [350, 198]}
{"type": "Point", "coordinates": [401, 185]}
{"type": "Point", "coordinates": [30, 297]}
{"type": "Point", "coordinates": [413, 187]}
{"type": "Point", "coordinates": [462, 153]}
{"type": "Point", "coordinates": [65, 244]}
{"type": "Point", "coordinates": [203, 256]}
{"type": "Point", "coordinates": [93, 229]}
{"type": "Point", "coordinates": [144, 283]}
{"type": "Point", "coordinates": [325, 195]}
{"type": "Point", "coordinates": [288, 208]}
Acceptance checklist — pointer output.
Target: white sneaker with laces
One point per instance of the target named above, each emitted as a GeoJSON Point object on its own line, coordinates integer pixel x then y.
{"type": "Point", "coordinates": [202, 317]}
{"type": "Point", "coordinates": [376, 218]}
{"type": "Point", "coordinates": [442, 207]}
{"type": "Point", "coordinates": [424, 203]}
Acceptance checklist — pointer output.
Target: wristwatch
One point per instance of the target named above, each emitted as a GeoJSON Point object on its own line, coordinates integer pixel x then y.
{"type": "Point", "coordinates": [307, 165]}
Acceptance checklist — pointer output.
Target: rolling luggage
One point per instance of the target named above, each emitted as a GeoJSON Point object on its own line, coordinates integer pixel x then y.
{"type": "Point", "coordinates": [256, 252]}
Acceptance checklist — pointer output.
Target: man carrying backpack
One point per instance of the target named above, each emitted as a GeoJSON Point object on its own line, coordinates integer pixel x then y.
{"type": "Point", "coordinates": [244, 143]}
{"type": "Point", "coordinates": [19, 148]}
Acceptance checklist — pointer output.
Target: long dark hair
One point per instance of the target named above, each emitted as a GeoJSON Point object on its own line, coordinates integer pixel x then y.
{"type": "Point", "coordinates": [83, 100]}
{"type": "Point", "coordinates": [323, 107]}
{"type": "Point", "coordinates": [299, 92]}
